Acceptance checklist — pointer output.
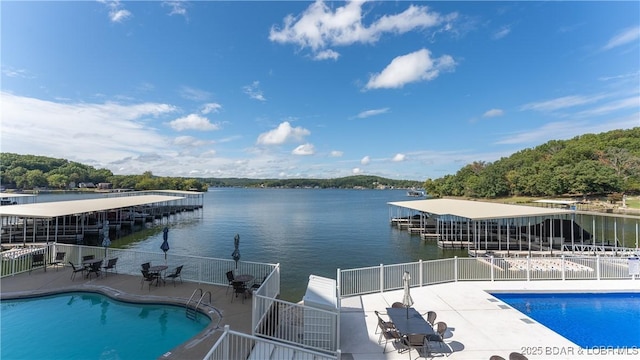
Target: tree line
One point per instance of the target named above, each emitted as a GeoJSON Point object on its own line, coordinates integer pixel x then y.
{"type": "Point", "coordinates": [588, 164]}
{"type": "Point", "coordinates": [26, 172]}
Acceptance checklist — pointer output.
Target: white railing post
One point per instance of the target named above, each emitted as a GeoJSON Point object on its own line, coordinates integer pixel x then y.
{"type": "Point", "coordinates": [225, 344]}
{"type": "Point", "coordinates": [338, 283]}
{"type": "Point", "coordinates": [598, 266]}
{"type": "Point", "coordinates": [455, 269]}
{"type": "Point", "coordinates": [528, 268]}
{"type": "Point", "coordinates": [420, 267]}
{"type": "Point", "coordinates": [564, 268]}
{"type": "Point", "coordinates": [492, 269]}
{"type": "Point", "coordinates": [381, 278]}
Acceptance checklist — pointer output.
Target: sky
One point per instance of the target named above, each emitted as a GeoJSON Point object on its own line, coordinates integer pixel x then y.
{"type": "Point", "coordinates": [300, 89]}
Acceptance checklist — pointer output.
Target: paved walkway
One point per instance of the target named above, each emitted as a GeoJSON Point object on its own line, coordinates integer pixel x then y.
{"type": "Point", "coordinates": [237, 315]}
{"type": "Point", "coordinates": [479, 325]}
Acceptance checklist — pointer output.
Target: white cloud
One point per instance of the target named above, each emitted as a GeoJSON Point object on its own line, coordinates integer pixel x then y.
{"type": "Point", "coordinates": [630, 35]}
{"type": "Point", "coordinates": [210, 107]}
{"type": "Point", "coordinates": [562, 102]}
{"type": "Point", "coordinates": [373, 112]}
{"type": "Point", "coordinates": [16, 73]}
{"type": "Point", "coordinates": [304, 149]}
{"type": "Point", "coordinates": [493, 113]}
{"type": "Point", "coordinates": [327, 54]}
{"type": "Point", "coordinates": [190, 93]}
{"type": "Point", "coordinates": [628, 103]}
{"type": "Point", "coordinates": [177, 7]}
{"type": "Point", "coordinates": [413, 67]}
{"type": "Point", "coordinates": [193, 122]}
{"type": "Point", "coordinates": [356, 171]}
{"type": "Point", "coordinates": [365, 160]}
{"type": "Point", "coordinates": [336, 153]}
{"type": "Point", "coordinates": [282, 134]}
{"type": "Point", "coordinates": [117, 13]}
{"type": "Point", "coordinates": [189, 141]}
{"type": "Point", "coordinates": [399, 158]}
{"type": "Point", "coordinates": [502, 32]}
{"type": "Point", "coordinates": [320, 26]}
{"type": "Point", "coordinates": [254, 91]}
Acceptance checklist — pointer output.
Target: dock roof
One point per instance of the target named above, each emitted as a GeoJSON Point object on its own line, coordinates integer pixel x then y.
{"type": "Point", "coordinates": [477, 210]}
{"type": "Point", "coordinates": [71, 207]}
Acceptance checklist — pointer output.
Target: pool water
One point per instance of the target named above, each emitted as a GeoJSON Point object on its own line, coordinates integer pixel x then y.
{"type": "Point", "coordinates": [92, 326]}
{"type": "Point", "coordinates": [586, 319]}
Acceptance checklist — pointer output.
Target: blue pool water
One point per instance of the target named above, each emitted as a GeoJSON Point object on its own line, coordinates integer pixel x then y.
{"type": "Point", "coordinates": [586, 319]}
{"type": "Point", "coordinates": [92, 326]}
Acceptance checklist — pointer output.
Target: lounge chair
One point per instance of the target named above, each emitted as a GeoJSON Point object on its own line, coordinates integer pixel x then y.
{"type": "Point", "coordinates": [37, 260]}
{"type": "Point", "coordinates": [239, 288]}
{"type": "Point", "coordinates": [149, 277]}
{"type": "Point", "coordinates": [111, 265]}
{"type": "Point", "coordinates": [417, 342]}
{"type": "Point", "coordinates": [231, 279]}
{"type": "Point", "coordinates": [517, 356]}
{"type": "Point", "coordinates": [174, 275]}
{"type": "Point", "coordinates": [76, 269]}
{"type": "Point", "coordinates": [438, 338]}
{"type": "Point", "coordinates": [388, 332]}
{"type": "Point", "coordinates": [59, 260]}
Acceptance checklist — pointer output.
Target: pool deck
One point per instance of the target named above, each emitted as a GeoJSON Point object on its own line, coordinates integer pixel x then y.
{"type": "Point", "coordinates": [127, 287]}
{"type": "Point", "coordinates": [479, 325]}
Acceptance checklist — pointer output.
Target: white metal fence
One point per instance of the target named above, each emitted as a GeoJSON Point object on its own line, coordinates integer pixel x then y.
{"type": "Point", "coordinates": [389, 277]}
{"type": "Point", "coordinates": [233, 345]}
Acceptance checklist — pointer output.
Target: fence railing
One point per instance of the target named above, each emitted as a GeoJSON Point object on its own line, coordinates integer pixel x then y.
{"type": "Point", "coordinates": [233, 345]}
{"type": "Point", "coordinates": [389, 277]}
{"type": "Point", "coordinates": [196, 268]}
{"type": "Point", "coordinates": [296, 324]}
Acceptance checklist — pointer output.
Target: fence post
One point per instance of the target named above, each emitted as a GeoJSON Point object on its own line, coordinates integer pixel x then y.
{"type": "Point", "coordinates": [381, 278]}
{"type": "Point", "coordinates": [225, 344]}
{"type": "Point", "coordinates": [564, 268]}
{"type": "Point", "coordinates": [338, 283]}
{"type": "Point", "coordinates": [492, 270]}
{"type": "Point", "coordinates": [598, 267]}
{"type": "Point", "coordinates": [455, 269]}
{"type": "Point", "coordinates": [528, 268]}
{"type": "Point", "coordinates": [421, 277]}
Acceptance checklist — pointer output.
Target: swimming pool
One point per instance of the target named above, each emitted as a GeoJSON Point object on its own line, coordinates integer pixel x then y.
{"type": "Point", "coordinates": [586, 319]}
{"type": "Point", "coordinates": [83, 325]}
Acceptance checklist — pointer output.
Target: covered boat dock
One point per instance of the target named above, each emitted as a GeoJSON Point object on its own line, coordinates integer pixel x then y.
{"type": "Point", "coordinates": [487, 228]}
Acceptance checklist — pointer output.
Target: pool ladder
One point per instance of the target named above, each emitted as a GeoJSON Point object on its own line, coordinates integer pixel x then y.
{"type": "Point", "coordinates": [192, 312]}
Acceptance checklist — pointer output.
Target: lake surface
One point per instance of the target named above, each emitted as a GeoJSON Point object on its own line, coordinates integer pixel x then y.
{"type": "Point", "coordinates": [307, 231]}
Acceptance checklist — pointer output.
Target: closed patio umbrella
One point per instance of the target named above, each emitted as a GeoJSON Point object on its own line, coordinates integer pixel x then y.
{"type": "Point", "coordinates": [165, 243]}
{"type": "Point", "coordinates": [236, 253]}
{"type": "Point", "coordinates": [407, 301]}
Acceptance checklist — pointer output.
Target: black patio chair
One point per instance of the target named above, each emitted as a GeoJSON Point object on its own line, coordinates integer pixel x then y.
{"type": "Point", "coordinates": [149, 277]}
{"type": "Point", "coordinates": [111, 265]}
{"type": "Point", "coordinates": [417, 342]}
{"type": "Point", "coordinates": [230, 278]}
{"type": "Point", "coordinates": [176, 274]}
{"type": "Point", "coordinates": [438, 338]}
{"type": "Point", "coordinates": [88, 257]}
{"type": "Point", "coordinates": [76, 269]}
{"type": "Point", "coordinates": [59, 260]}
{"type": "Point", "coordinates": [239, 288]}
{"type": "Point", "coordinates": [37, 260]}
{"type": "Point", "coordinates": [94, 268]}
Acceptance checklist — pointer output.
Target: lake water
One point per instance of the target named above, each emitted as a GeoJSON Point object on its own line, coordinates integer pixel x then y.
{"type": "Point", "coordinates": [307, 231]}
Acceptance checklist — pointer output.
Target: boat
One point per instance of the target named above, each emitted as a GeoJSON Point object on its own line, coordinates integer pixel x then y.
{"type": "Point", "coordinates": [415, 193]}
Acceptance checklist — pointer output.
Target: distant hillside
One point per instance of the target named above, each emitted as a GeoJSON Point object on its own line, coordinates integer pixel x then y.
{"type": "Point", "coordinates": [349, 182]}
{"type": "Point", "coordinates": [588, 164]}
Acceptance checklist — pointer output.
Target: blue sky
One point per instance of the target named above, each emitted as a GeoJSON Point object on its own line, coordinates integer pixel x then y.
{"type": "Point", "coordinates": [293, 89]}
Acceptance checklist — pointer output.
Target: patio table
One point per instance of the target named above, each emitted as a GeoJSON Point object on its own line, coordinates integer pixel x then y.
{"type": "Point", "coordinates": [414, 324]}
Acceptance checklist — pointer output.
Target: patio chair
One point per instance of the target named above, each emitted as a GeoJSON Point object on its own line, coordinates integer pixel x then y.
{"type": "Point", "coordinates": [239, 288]}
{"type": "Point", "coordinates": [256, 285]}
{"type": "Point", "coordinates": [111, 265]}
{"type": "Point", "coordinates": [417, 342]}
{"type": "Point", "coordinates": [496, 357]}
{"type": "Point", "coordinates": [388, 325]}
{"type": "Point", "coordinates": [37, 260]}
{"type": "Point", "coordinates": [431, 317]}
{"type": "Point", "coordinates": [145, 266]}
{"type": "Point", "coordinates": [59, 260]}
{"type": "Point", "coordinates": [174, 275]}
{"type": "Point", "coordinates": [76, 269]}
{"type": "Point", "coordinates": [397, 305]}
{"type": "Point", "coordinates": [94, 268]}
{"type": "Point", "coordinates": [517, 356]}
{"type": "Point", "coordinates": [88, 257]}
{"type": "Point", "coordinates": [438, 338]}
{"type": "Point", "coordinates": [231, 279]}
{"type": "Point", "coordinates": [148, 277]}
